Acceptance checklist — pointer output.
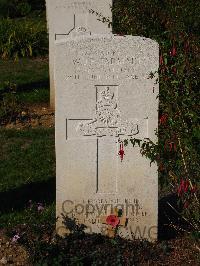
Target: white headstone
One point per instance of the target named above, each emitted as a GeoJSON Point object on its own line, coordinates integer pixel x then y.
{"type": "Point", "coordinates": [66, 18]}
{"type": "Point", "coordinates": [104, 94]}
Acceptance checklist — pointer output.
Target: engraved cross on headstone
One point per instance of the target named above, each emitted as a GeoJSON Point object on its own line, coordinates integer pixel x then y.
{"type": "Point", "coordinates": [106, 126]}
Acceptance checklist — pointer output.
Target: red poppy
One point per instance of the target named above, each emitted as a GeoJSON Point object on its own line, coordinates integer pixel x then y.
{"type": "Point", "coordinates": [112, 220]}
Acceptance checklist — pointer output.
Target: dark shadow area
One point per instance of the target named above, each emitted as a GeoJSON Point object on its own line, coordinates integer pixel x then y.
{"type": "Point", "coordinates": [168, 219]}
{"type": "Point", "coordinates": [17, 199]}
{"type": "Point", "coordinates": [27, 87]}
{"type": "Point", "coordinates": [33, 85]}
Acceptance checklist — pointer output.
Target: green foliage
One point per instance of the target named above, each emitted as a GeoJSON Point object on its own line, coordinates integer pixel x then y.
{"type": "Point", "coordinates": [20, 8]}
{"type": "Point", "coordinates": [22, 38]}
{"type": "Point", "coordinates": [174, 25]}
{"type": "Point", "coordinates": [150, 18]}
{"type": "Point", "coordinates": [10, 108]}
{"type": "Point", "coordinates": [23, 8]}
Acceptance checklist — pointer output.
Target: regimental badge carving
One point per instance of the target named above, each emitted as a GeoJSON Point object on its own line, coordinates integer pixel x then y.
{"type": "Point", "coordinates": [107, 120]}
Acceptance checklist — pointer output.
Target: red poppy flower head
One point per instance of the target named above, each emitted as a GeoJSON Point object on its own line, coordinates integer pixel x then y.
{"type": "Point", "coordinates": [112, 220]}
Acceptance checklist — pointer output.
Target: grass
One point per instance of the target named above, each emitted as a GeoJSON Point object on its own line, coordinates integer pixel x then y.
{"type": "Point", "coordinates": [39, 95]}
{"type": "Point", "coordinates": [27, 216]}
{"type": "Point", "coordinates": [24, 72]}
{"type": "Point", "coordinates": [27, 172]}
{"type": "Point", "coordinates": [26, 157]}
{"type": "Point", "coordinates": [31, 77]}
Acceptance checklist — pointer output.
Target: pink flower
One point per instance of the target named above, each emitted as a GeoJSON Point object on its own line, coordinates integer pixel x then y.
{"type": "Point", "coordinates": [40, 207]}
{"type": "Point", "coordinates": [15, 238]}
{"type": "Point", "coordinates": [112, 220]}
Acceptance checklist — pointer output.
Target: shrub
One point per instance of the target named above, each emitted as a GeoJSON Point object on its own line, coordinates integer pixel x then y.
{"type": "Point", "coordinates": [20, 8]}
{"type": "Point", "coordinates": [174, 26]}
{"type": "Point", "coordinates": [22, 38]}
{"type": "Point", "coordinates": [10, 107]}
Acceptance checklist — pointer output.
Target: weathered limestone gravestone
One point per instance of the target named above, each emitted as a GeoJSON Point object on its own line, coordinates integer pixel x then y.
{"type": "Point", "coordinates": [66, 18]}
{"type": "Point", "coordinates": [104, 94]}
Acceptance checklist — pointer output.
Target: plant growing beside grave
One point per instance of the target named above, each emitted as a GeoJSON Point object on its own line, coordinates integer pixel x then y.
{"type": "Point", "coordinates": [10, 108]}
{"type": "Point", "coordinates": [177, 152]}
{"type": "Point", "coordinates": [22, 38]}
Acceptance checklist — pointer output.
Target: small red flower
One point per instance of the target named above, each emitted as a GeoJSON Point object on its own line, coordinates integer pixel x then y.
{"type": "Point", "coordinates": [161, 60]}
{"type": "Point", "coordinates": [183, 187]}
{"type": "Point", "coordinates": [173, 51]}
{"type": "Point", "coordinates": [121, 152]}
{"type": "Point", "coordinates": [163, 119]}
{"type": "Point", "coordinates": [171, 145]}
{"type": "Point", "coordinates": [186, 204]}
{"type": "Point", "coordinates": [112, 220]}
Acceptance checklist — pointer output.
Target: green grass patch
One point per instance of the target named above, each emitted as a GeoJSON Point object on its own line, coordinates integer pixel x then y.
{"type": "Point", "coordinates": [40, 95]}
{"type": "Point", "coordinates": [28, 216]}
{"type": "Point", "coordinates": [26, 157]}
{"type": "Point", "coordinates": [25, 71]}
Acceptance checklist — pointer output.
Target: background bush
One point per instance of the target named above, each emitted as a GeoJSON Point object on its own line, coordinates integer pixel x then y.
{"type": "Point", "coordinates": [22, 38]}
{"type": "Point", "coordinates": [20, 8]}
{"type": "Point", "coordinates": [174, 24]}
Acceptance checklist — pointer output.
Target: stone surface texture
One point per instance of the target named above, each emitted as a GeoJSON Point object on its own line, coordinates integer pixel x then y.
{"type": "Point", "coordinates": [105, 93]}
{"type": "Point", "coordinates": [66, 18]}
